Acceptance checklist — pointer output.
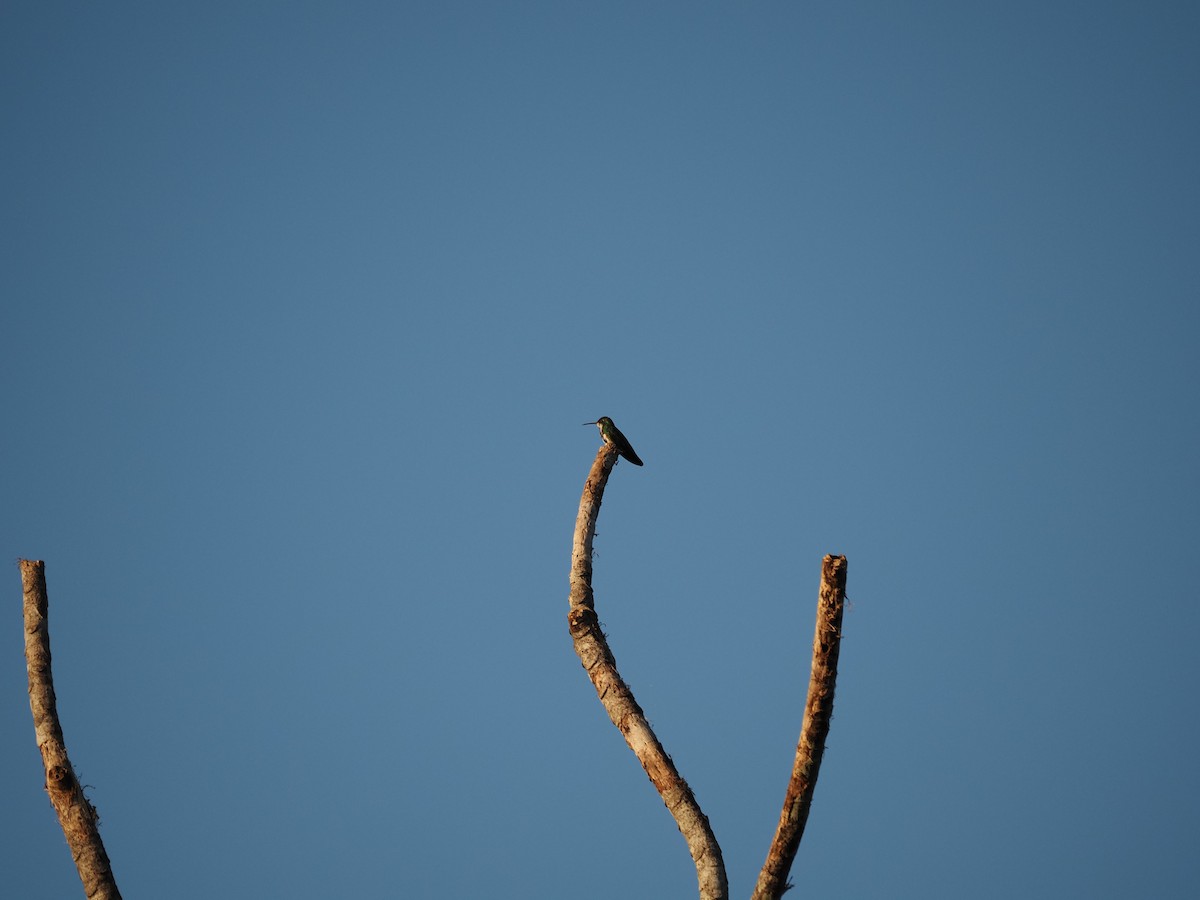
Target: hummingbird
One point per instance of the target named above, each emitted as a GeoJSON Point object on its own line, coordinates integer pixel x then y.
{"type": "Point", "coordinates": [612, 435]}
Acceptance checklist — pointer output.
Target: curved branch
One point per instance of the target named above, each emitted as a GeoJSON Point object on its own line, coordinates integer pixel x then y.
{"type": "Point", "coordinates": [77, 816]}
{"type": "Point", "coordinates": [818, 710]}
{"type": "Point", "coordinates": [618, 701]}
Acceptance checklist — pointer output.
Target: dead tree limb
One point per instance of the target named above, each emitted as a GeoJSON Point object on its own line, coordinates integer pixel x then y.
{"type": "Point", "coordinates": [618, 701]}
{"type": "Point", "coordinates": [76, 815]}
{"type": "Point", "coordinates": [818, 710]}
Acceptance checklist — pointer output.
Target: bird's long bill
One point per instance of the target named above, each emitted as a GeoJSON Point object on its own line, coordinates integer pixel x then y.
{"type": "Point", "coordinates": [592, 423]}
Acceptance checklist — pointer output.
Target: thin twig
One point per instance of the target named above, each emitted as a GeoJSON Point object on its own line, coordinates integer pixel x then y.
{"type": "Point", "coordinates": [76, 815]}
{"type": "Point", "coordinates": [818, 710]}
{"type": "Point", "coordinates": [618, 700]}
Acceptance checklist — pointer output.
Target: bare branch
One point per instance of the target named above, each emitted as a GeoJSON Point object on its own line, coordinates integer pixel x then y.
{"type": "Point", "coordinates": [818, 710]}
{"type": "Point", "coordinates": [618, 700]}
{"type": "Point", "coordinates": [76, 815]}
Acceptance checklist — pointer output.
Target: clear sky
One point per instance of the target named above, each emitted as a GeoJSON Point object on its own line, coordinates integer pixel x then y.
{"type": "Point", "coordinates": [304, 304]}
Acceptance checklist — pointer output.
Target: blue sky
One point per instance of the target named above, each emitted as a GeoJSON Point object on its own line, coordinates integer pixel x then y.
{"type": "Point", "coordinates": [304, 305]}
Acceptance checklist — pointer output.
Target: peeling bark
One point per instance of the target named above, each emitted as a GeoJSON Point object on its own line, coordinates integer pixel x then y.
{"type": "Point", "coordinates": [76, 815]}
{"type": "Point", "coordinates": [818, 710]}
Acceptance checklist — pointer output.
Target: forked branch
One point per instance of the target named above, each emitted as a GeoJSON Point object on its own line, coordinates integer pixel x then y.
{"type": "Point", "coordinates": [76, 815]}
{"type": "Point", "coordinates": [618, 700]}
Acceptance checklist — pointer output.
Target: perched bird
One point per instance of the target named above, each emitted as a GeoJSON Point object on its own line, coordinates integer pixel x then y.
{"type": "Point", "coordinates": [612, 435]}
